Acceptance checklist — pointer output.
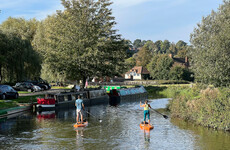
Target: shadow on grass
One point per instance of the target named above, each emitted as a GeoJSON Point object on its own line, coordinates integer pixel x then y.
{"type": "Point", "coordinates": [156, 91]}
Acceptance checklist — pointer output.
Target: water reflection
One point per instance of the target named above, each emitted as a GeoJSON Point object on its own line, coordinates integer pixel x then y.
{"type": "Point", "coordinates": [119, 130]}
{"type": "Point", "coordinates": [205, 138]}
{"type": "Point", "coordinates": [79, 137]}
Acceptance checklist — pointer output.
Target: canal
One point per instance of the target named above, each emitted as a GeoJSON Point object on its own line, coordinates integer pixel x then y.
{"type": "Point", "coordinates": [119, 129]}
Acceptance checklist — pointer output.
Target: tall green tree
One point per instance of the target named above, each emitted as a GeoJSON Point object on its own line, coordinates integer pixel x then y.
{"type": "Point", "coordinates": [137, 43]}
{"type": "Point", "coordinates": [165, 47]}
{"type": "Point", "coordinates": [26, 29]}
{"type": "Point", "coordinates": [211, 42]}
{"type": "Point", "coordinates": [158, 44]}
{"type": "Point", "coordinates": [159, 67]}
{"type": "Point", "coordinates": [145, 54]}
{"type": "Point", "coordinates": [81, 41]}
{"type": "Point", "coordinates": [181, 44]}
{"type": "Point", "coordinates": [21, 61]}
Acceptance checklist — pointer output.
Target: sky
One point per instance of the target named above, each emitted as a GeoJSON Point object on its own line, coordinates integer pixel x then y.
{"type": "Point", "coordinates": [154, 20]}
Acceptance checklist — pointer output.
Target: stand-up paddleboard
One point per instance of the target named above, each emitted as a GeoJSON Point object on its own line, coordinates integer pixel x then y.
{"type": "Point", "coordinates": [146, 126]}
{"type": "Point", "coordinates": [79, 124]}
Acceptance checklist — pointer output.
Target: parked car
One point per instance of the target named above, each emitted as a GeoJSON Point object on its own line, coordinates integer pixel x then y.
{"type": "Point", "coordinates": [7, 91]}
{"type": "Point", "coordinates": [26, 86]}
{"type": "Point", "coordinates": [37, 88]}
{"type": "Point", "coordinates": [43, 85]}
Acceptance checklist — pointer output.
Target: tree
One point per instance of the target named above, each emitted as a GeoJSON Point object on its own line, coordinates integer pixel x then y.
{"type": "Point", "coordinates": [144, 55]}
{"type": "Point", "coordinates": [165, 47]}
{"type": "Point", "coordinates": [158, 46]}
{"type": "Point", "coordinates": [211, 42]}
{"type": "Point", "coordinates": [159, 67]}
{"type": "Point", "coordinates": [173, 49]}
{"type": "Point", "coordinates": [181, 45]}
{"type": "Point", "coordinates": [150, 46]}
{"type": "Point", "coordinates": [18, 60]}
{"type": "Point", "coordinates": [130, 62]}
{"type": "Point", "coordinates": [180, 73]}
{"type": "Point", "coordinates": [137, 43]}
{"type": "Point", "coordinates": [80, 42]}
{"type": "Point", "coordinates": [129, 43]}
{"type": "Point", "coordinates": [26, 29]}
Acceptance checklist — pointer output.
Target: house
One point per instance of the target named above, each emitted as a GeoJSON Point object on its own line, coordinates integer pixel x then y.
{"type": "Point", "coordinates": [180, 61]}
{"type": "Point", "coordinates": [137, 73]}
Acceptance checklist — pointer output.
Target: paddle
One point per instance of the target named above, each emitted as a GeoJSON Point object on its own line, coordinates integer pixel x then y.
{"type": "Point", "coordinates": [166, 117]}
{"type": "Point", "coordinates": [94, 116]}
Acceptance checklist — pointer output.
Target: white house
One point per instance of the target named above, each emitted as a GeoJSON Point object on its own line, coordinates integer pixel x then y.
{"type": "Point", "coordinates": [137, 73]}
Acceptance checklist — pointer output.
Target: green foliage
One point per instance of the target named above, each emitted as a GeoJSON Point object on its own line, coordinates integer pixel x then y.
{"type": "Point", "coordinates": [18, 59]}
{"type": "Point", "coordinates": [165, 47]}
{"type": "Point", "coordinates": [208, 107]}
{"type": "Point", "coordinates": [4, 105]}
{"type": "Point", "coordinates": [26, 29]}
{"type": "Point", "coordinates": [27, 99]}
{"type": "Point", "coordinates": [159, 67]}
{"type": "Point", "coordinates": [128, 43]}
{"type": "Point", "coordinates": [181, 45]}
{"type": "Point", "coordinates": [144, 55]}
{"type": "Point", "coordinates": [80, 42]}
{"type": "Point", "coordinates": [180, 73]}
{"type": "Point", "coordinates": [211, 40]}
{"type": "Point", "coordinates": [176, 73]}
{"type": "Point", "coordinates": [130, 62]}
{"type": "Point", "coordinates": [137, 43]}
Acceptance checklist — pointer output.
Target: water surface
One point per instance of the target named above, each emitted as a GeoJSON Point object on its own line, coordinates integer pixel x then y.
{"type": "Point", "coordinates": [119, 129]}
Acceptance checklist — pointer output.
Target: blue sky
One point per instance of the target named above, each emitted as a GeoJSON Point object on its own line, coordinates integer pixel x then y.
{"type": "Point", "coordinates": [154, 20]}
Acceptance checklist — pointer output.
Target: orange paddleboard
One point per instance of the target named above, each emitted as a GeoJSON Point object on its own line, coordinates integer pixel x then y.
{"type": "Point", "coordinates": [76, 125]}
{"type": "Point", "coordinates": [146, 126]}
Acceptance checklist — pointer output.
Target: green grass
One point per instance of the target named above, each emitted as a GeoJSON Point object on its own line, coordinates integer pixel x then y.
{"type": "Point", "coordinates": [60, 87]}
{"type": "Point", "coordinates": [208, 106]}
{"type": "Point", "coordinates": [27, 99]}
{"type": "Point", "coordinates": [4, 105]}
{"type": "Point", "coordinates": [16, 102]}
{"type": "Point", "coordinates": [24, 92]}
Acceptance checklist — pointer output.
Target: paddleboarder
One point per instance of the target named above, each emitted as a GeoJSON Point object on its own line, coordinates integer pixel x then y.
{"type": "Point", "coordinates": [146, 110]}
{"type": "Point", "coordinates": [80, 107]}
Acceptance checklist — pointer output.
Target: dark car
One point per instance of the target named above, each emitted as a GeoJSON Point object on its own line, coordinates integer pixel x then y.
{"type": "Point", "coordinates": [7, 91]}
{"type": "Point", "coordinates": [44, 85]}
{"type": "Point", "coordinates": [24, 86]}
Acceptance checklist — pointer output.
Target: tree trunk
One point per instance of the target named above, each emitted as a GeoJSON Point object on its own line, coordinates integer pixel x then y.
{"type": "Point", "coordinates": [84, 80]}
{"type": "Point", "coordinates": [0, 73]}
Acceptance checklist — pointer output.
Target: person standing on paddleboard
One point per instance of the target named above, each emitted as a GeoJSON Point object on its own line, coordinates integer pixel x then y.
{"type": "Point", "coordinates": [146, 110]}
{"type": "Point", "coordinates": [80, 107]}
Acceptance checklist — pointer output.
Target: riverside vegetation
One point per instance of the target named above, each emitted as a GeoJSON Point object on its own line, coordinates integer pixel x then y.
{"type": "Point", "coordinates": [206, 106]}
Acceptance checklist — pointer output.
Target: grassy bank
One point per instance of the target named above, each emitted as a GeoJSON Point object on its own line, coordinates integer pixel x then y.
{"type": "Point", "coordinates": [4, 104]}
{"type": "Point", "coordinates": [165, 91]}
{"type": "Point", "coordinates": [209, 107]}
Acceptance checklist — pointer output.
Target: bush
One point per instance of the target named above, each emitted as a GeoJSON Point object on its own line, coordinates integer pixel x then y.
{"type": "Point", "coordinates": [209, 107]}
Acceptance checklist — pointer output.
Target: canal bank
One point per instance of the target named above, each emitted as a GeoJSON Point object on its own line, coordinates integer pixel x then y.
{"type": "Point", "coordinates": [4, 113]}
{"type": "Point", "coordinates": [206, 106]}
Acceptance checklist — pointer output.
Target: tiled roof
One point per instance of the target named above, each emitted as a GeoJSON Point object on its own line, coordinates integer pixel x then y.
{"type": "Point", "coordinates": [139, 70]}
